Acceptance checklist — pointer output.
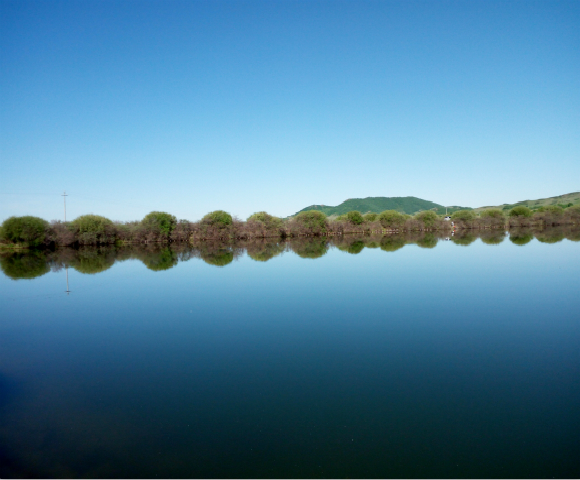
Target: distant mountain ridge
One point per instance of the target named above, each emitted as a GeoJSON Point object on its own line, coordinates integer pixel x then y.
{"type": "Point", "coordinates": [566, 199]}
{"type": "Point", "coordinates": [412, 205]}
{"type": "Point", "coordinates": [408, 205]}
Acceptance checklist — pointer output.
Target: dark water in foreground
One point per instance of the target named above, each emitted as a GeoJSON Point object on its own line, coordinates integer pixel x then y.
{"type": "Point", "coordinates": [372, 357]}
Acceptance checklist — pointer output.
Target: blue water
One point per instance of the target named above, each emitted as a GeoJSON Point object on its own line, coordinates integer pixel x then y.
{"type": "Point", "coordinates": [452, 361]}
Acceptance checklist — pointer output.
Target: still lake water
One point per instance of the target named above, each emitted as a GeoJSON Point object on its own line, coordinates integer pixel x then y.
{"type": "Point", "coordinates": [401, 360]}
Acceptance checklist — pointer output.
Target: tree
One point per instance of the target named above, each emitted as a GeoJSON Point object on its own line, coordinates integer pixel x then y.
{"type": "Point", "coordinates": [269, 222]}
{"type": "Point", "coordinates": [217, 219]}
{"type": "Point", "coordinates": [354, 217]}
{"type": "Point", "coordinates": [91, 229]}
{"type": "Point", "coordinates": [463, 215]}
{"type": "Point", "coordinates": [428, 217]}
{"type": "Point", "coordinates": [312, 220]}
{"type": "Point", "coordinates": [26, 229]}
{"type": "Point", "coordinates": [370, 217]}
{"type": "Point", "coordinates": [520, 211]}
{"type": "Point", "coordinates": [160, 223]}
{"type": "Point", "coordinates": [391, 219]}
{"type": "Point", "coordinates": [492, 213]}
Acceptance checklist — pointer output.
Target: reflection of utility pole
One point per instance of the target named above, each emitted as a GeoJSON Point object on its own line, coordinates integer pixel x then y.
{"type": "Point", "coordinates": [67, 290]}
{"type": "Point", "coordinates": [64, 195]}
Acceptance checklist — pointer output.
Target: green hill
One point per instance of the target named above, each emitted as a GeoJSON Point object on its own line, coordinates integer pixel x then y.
{"type": "Point", "coordinates": [408, 205]}
{"type": "Point", "coordinates": [563, 200]}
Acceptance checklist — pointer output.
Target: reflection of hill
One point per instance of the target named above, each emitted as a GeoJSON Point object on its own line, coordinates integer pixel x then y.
{"type": "Point", "coordinates": [25, 265]}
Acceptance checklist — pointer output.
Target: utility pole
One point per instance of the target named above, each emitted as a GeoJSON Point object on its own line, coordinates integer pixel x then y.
{"type": "Point", "coordinates": [64, 195]}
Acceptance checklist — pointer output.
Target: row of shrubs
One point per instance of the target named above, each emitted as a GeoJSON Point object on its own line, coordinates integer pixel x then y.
{"type": "Point", "coordinates": [163, 227]}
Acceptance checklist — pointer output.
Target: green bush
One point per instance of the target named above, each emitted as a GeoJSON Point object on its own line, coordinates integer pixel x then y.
{"type": "Point", "coordinates": [428, 217]}
{"type": "Point", "coordinates": [354, 217]}
{"type": "Point", "coordinates": [463, 215]}
{"type": "Point", "coordinates": [26, 229]}
{"type": "Point", "coordinates": [520, 211]}
{"type": "Point", "coordinates": [492, 213]}
{"type": "Point", "coordinates": [217, 219]}
{"type": "Point", "coordinates": [161, 223]}
{"type": "Point", "coordinates": [268, 221]}
{"type": "Point", "coordinates": [93, 229]}
{"type": "Point", "coordinates": [573, 212]}
{"type": "Point", "coordinates": [312, 219]}
{"type": "Point", "coordinates": [555, 210]}
{"type": "Point", "coordinates": [370, 217]}
{"type": "Point", "coordinates": [391, 219]}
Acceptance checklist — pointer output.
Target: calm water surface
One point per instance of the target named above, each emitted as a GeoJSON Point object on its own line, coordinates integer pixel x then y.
{"type": "Point", "coordinates": [372, 357]}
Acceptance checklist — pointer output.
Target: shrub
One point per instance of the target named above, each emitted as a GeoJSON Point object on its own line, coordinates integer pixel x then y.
{"type": "Point", "coordinates": [391, 219]}
{"type": "Point", "coordinates": [463, 215]}
{"type": "Point", "coordinates": [495, 213]}
{"type": "Point", "coordinates": [159, 223]}
{"type": "Point", "coordinates": [573, 212]}
{"type": "Point", "coordinates": [428, 217]}
{"type": "Point", "coordinates": [217, 219]}
{"type": "Point", "coordinates": [554, 210]}
{"type": "Point", "coordinates": [354, 217]}
{"type": "Point", "coordinates": [93, 229]}
{"type": "Point", "coordinates": [26, 229]}
{"type": "Point", "coordinates": [312, 220]}
{"type": "Point", "coordinates": [269, 222]}
{"type": "Point", "coordinates": [520, 211]}
{"type": "Point", "coordinates": [370, 217]}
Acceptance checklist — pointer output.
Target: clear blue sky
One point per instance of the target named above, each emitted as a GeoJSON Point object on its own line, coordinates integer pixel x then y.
{"type": "Point", "coordinates": [193, 106]}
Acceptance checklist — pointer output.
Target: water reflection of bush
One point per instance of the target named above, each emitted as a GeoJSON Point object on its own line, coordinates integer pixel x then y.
{"type": "Point", "coordinates": [90, 260]}
{"type": "Point", "coordinates": [26, 265]}
{"type": "Point", "coordinates": [262, 250]}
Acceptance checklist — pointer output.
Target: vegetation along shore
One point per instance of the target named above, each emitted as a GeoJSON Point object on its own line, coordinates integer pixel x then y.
{"type": "Point", "coordinates": [161, 227]}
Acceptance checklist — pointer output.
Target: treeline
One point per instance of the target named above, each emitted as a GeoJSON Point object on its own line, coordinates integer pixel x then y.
{"type": "Point", "coordinates": [161, 227]}
{"type": "Point", "coordinates": [158, 257]}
